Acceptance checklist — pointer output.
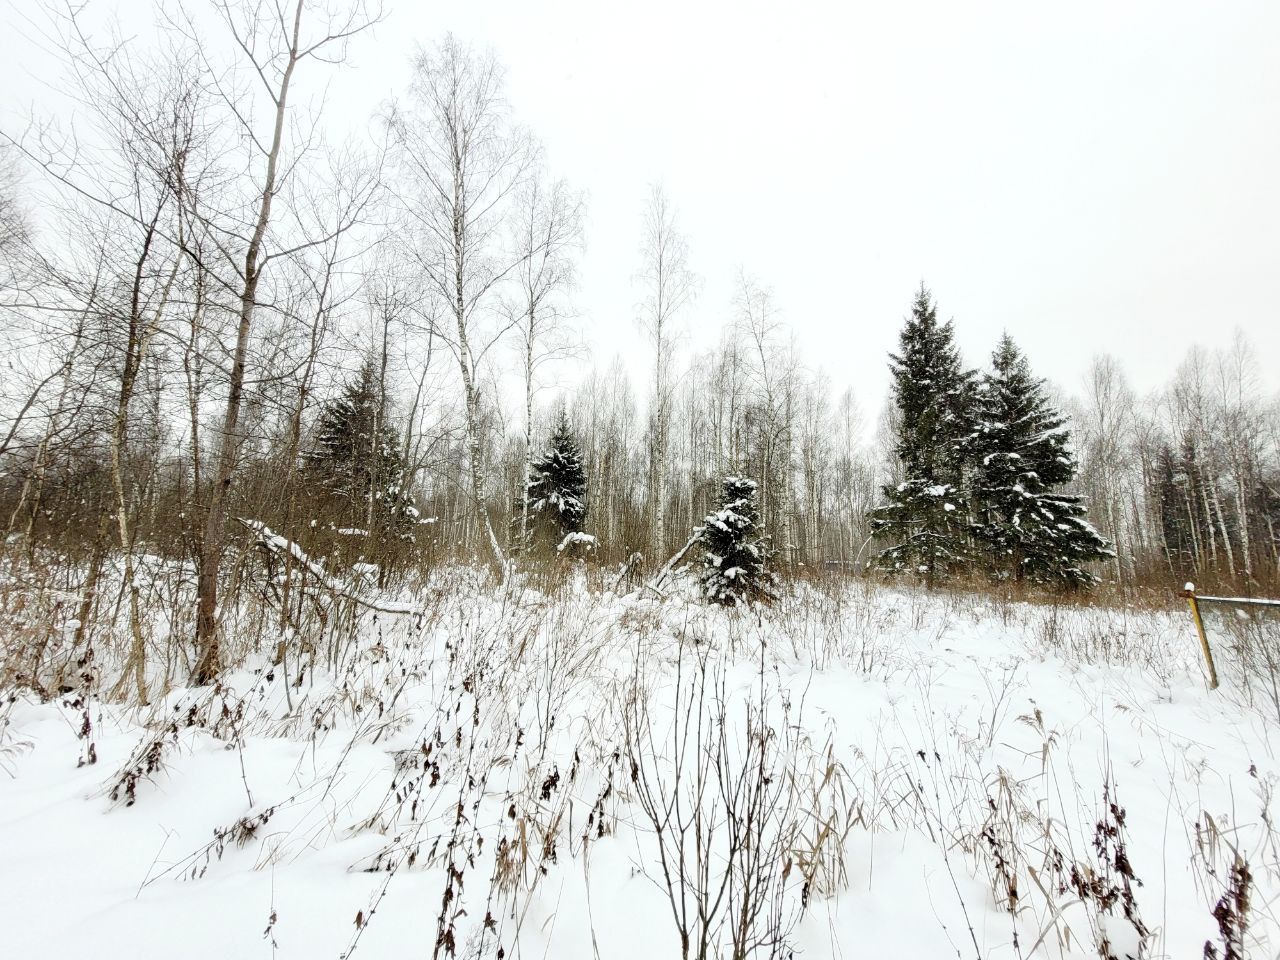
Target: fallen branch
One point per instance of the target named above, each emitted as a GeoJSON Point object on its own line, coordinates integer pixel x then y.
{"type": "Point", "coordinates": [671, 564]}
{"type": "Point", "coordinates": [627, 567]}
{"type": "Point", "coordinates": [277, 545]}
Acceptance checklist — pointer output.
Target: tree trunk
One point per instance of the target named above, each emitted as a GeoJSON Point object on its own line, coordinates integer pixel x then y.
{"type": "Point", "coordinates": [528, 434]}
{"type": "Point", "coordinates": [215, 527]}
{"type": "Point", "coordinates": [1226, 538]}
{"type": "Point", "coordinates": [1242, 514]}
{"type": "Point", "coordinates": [138, 337]}
{"type": "Point", "coordinates": [660, 472]}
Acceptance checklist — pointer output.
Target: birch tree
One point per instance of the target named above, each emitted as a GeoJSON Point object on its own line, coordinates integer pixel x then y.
{"type": "Point", "coordinates": [547, 228]}
{"type": "Point", "coordinates": [461, 163]}
{"type": "Point", "coordinates": [669, 286]}
{"type": "Point", "coordinates": [1105, 432]}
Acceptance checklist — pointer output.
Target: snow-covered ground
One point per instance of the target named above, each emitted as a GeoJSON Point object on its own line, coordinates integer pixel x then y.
{"type": "Point", "coordinates": [854, 772]}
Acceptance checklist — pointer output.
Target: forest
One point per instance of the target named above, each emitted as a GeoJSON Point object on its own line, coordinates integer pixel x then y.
{"type": "Point", "coordinates": [211, 286]}
{"type": "Point", "coordinates": [326, 530]}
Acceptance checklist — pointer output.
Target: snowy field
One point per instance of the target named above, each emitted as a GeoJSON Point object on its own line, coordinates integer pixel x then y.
{"type": "Point", "coordinates": [854, 772]}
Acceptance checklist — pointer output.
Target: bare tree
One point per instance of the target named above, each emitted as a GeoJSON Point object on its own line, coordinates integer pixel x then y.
{"type": "Point", "coordinates": [272, 43]}
{"type": "Point", "coordinates": [668, 286]}
{"type": "Point", "coordinates": [853, 480]}
{"type": "Point", "coordinates": [461, 164]}
{"type": "Point", "coordinates": [145, 111]}
{"type": "Point", "coordinates": [772, 370]}
{"type": "Point", "coordinates": [1105, 433]}
{"type": "Point", "coordinates": [605, 412]}
{"type": "Point", "coordinates": [1239, 410]}
{"type": "Point", "coordinates": [15, 226]}
{"type": "Point", "coordinates": [547, 228]}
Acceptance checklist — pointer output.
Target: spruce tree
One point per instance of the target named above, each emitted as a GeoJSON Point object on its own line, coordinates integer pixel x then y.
{"type": "Point", "coordinates": [734, 553]}
{"type": "Point", "coordinates": [356, 463]}
{"type": "Point", "coordinates": [557, 493]}
{"type": "Point", "coordinates": [925, 516]}
{"type": "Point", "coordinates": [1022, 453]}
{"type": "Point", "coordinates": [1177, 513]}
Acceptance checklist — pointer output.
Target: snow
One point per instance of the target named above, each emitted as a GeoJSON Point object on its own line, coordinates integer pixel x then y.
{"type": "Point", "coordinates": [584, 541]}
{"type": "Point", "coordinates": [899, 718]}
{"type": "Point", "coordinates": [365, 571]}
{"type": "Point", "coordinates": [1062, 430]}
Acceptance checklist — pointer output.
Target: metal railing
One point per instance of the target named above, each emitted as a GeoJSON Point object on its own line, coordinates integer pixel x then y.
{"type": "Point", "coordinates": [1246, 633]}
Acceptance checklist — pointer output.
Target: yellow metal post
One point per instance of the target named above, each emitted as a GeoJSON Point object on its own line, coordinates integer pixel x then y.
{"type": "Point", "coordinates": [1204, 639]}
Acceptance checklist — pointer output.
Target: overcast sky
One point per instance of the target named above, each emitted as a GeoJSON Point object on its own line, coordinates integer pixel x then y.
{"type": "Point", "coordinates": [1092, 177]}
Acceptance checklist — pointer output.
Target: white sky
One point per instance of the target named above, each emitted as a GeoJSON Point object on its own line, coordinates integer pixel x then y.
{"type": "Point", "coordinates": [1093, 177]}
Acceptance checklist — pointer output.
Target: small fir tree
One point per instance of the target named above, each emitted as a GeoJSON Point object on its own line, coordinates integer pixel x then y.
{"type": "Point", "coordinates": [557, 493]}
{"type": "Point", "coordinates": [734, 553]}
{"type": "Point", "coordinates": [925, 517]}
{"type": "Point", "coordinates": [356, 463]}
{"type": "Point", "coordinates": [1022, 449]}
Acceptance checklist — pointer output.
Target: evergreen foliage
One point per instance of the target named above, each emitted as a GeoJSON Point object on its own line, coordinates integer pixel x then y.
{"type": "Point", "coordinates": [982, 463]}
{"type": "Point", "coordinates": [925, 516]}
{"type": "Point", "coordinates": [356, 464]}
{"type": "Point", "coordinates": [557, 493]}
{"type": "Point", "coordinates": [1177, 507]}
{"type": "Point", "coordinates": [1022, 452]}
{"type": "Point", "coordinates": [734, 553]}
{"type": "Point", "coordinates": [924, 519]}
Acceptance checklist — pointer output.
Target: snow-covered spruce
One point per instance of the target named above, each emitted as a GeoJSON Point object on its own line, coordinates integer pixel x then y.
{"type": "Point", "coordinates": [355, 468]}
{"type": "Point", "coordinates": [557, 494]}
{"type": "Point", "coordinates": [924, 520]}
{"type": "Point", "coordinates": [1022, 453]}
{"type": "Point", "coordinates": [982, 464]}
{"type": "Point", "coordinates": [924, 517]}
{"type": "Point", "coordinates": [575, 544]}
{"type": "Point", "coordinates": [734, 553]}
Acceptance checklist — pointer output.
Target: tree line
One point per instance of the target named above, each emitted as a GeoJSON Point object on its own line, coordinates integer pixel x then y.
{"type": "Point", "coordinates": [216, 312]}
